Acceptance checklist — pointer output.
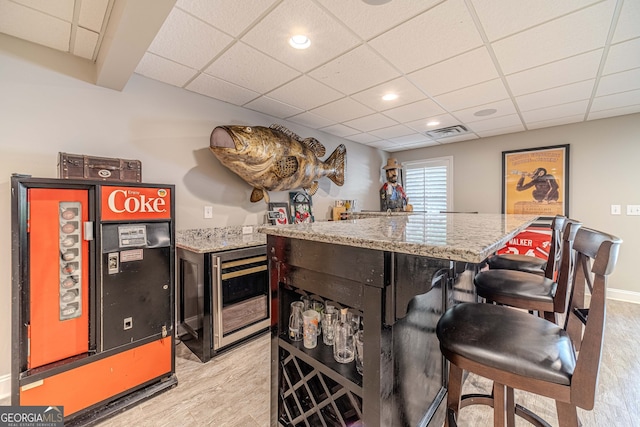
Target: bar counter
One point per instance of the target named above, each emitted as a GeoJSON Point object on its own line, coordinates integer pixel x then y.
{"type": "Point", "coordinates": [399, 273]}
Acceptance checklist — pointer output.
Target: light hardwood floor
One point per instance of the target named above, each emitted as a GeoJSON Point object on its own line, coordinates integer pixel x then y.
{"type": "Point", "coordinates": [232, 389]}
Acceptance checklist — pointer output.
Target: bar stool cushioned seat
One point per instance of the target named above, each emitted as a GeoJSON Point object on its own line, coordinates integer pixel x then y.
{"type": "Point", "coordinates": [532, 291]}
{"type": "Point", "coordinates": [531, 264]}
{"type": "Point", "coordinates": [535, 347]}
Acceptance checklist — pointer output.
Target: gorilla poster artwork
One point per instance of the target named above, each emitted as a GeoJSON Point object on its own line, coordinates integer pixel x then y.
{"type": "Point", "coordinates": [536, 181]}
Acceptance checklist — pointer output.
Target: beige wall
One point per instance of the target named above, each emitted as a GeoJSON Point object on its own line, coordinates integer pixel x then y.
{"type": "Point", "coordinates": [43, 112]}
{"type": "Point", "coordinates": [604, 169]}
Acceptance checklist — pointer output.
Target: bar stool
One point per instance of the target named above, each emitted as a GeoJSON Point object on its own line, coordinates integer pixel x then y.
{"type": "Point", "coordinates": [531, 291]}
{"type": "Point", "coordinates": [520, 351]}
{"type": "Point", "coordinates": [532, 264]}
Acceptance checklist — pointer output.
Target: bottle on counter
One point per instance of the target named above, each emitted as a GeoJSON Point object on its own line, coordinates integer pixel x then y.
{"type": "Point", "coordinates": [343, 345]}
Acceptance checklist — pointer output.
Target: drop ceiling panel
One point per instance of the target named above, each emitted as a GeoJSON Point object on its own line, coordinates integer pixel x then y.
{"type": "Point", "coordinates": [622, 57]}
{"type": "Point", "coordinates": [558, 73]}
{"type": "Point", "coordinates": [556, 121]}
{"type": "Point", "coordinates": [342, 109]}
{"type": "Point", "coordinates": [403, 88]}
{"type": "Point", "coordinates": [501, 18]}
{"type": "Point", "coordinates": [92, 14]}
{"type": "Point", "coordinates": [558, 111]}
{"type": "Point", "coordinates": [392, 132]}
{"type": "Point", "coordinates": [556, 96]}
{"type": "Point", "coordinates": [34, 26]}
{"type": "Point", "coordinates": [62, 9]}
{"type": "Point", "coordinates": [442, 120]}
{"type": "Point", "coordinates": [501, 131]}
{"type": "Point", "coordinates": [371, 122]}
{"type": "Point", "coordinates": [273, 107]}
{"type": "Point", "coordinates": [366, 70]}
{"type": "Point", "coordinates": [340, 130]}
{"type": "Point", "coordinates": [479, 94]}
{"type": "Point", "coordinates": [231, 16]}
{"type": "Point", "coordinates": [219, 89]}
{"type": "Point", "coordinates": [311, 120]}
{"type": "Point", "coordinates": [594, 115]}
{"type": "Point", "coordinates": [578, 32]}
{"type": "Point", "coordinates": [619, 82]}
{"type": "Point", "coordinates": [445, 31]}
{"type": "Point", "coordinates": [629, 22]}
{"type": "Point", "coordinates": [363, 138]}
{"type": "Point", "coordinates": [305, 93]}
{"type": "Point", "coordinates": [496, 123]}
{"type": "Point", "coordinates": [188, 41]}
{"type": "Point", "coordinates": [85, 43]}
{"type": "Point", "coordinates": [421, 109]}
{"type": "Point", "coordinates": [239, 63]}
{"type": "Point", "coordinates": [459, 138]}
{"type": "Point", "coordinates": [461, 71]}
{"type": "Point", "coordinates": [616, 100]}
{"type": "Point", "coordinates": [328, 37]}
{"type": "Point", "coordinates": [503, 108]}
{"type": "Point", "coordinates": [367, 21]}
{"type": "Point", "coordinates": [159, 68]}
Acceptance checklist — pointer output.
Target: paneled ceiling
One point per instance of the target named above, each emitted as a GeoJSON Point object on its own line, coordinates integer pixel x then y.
{"type": "Point", "coordinates": [490, 67]}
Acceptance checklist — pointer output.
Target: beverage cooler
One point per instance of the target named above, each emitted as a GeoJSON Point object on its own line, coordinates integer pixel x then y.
{"type": "Point", "coordinates": [92, 294]}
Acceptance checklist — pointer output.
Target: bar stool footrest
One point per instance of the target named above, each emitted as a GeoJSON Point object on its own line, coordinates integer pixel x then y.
{"type": "Point", "coordinates": [487, 399]}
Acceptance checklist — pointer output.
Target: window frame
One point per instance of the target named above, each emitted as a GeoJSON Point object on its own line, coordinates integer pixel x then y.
{"type": "Point", "coordinates": [446, 161]}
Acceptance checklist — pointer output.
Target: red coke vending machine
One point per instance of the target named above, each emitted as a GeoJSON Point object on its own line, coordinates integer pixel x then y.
{"type": "Point", "coordinates": [93, 295]}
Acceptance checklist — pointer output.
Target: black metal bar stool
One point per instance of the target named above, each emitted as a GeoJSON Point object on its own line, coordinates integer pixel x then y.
{"type": "Point", "coordinates": [529, 291]}
{"type": "Point", "coordinates": [520, 351]}
{"type": "Point", "coordinates": [531, 264]}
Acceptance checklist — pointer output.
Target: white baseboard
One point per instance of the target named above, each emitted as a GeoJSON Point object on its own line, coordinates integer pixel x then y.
{"type": "Point", "coordinates": [5, 386]}
{"type": "Point", "coordinates": [622, 295]}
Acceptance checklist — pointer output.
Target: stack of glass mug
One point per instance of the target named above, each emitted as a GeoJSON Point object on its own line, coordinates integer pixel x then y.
{"type": "Point", "coordinates": [339, 328]}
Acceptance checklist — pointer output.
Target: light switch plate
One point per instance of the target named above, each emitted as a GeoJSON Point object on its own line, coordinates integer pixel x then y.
{"type": "Point", "coordinates": [615, 210]}
{"type": "Point", "coordinates": [633, 209]}
{"type": "Point", "coordinates": [208, 211]}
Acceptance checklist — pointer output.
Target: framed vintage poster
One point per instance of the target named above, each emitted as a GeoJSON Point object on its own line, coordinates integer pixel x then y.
{"type": "Point", "coordinates": [278, 213]}
{"type": "Point", "coordinates": [300, 207]}
{"type": "Point", "coordinates": [536, 181]}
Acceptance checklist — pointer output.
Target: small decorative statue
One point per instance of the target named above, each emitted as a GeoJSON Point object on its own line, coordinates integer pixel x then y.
{"type": "Point", "coordinates": [392, 195]}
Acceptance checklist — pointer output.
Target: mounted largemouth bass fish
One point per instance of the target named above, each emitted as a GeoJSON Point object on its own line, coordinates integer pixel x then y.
{"type": "Point", "coordinates": [275, 158]}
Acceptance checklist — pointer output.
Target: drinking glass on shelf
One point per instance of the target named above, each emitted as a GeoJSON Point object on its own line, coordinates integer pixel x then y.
{"type": "Point", "coordinates": [359, 344]}
{"type": "Point", "coordinates": [296, 321]}
{"type": "Point", "coordinates": [329, 318]}
{"type": "Point", "coordinates": [318, 306]}
{"type": "Point", "coordinates": [310, 328]}
{"type": "Point", "coordinates": [343, 347]}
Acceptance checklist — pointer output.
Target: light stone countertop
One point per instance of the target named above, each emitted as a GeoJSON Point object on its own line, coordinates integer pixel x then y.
{"type": "Point", "coordinates": [453, 236]}
{"type": "Point", "coordinates": [204, 240]}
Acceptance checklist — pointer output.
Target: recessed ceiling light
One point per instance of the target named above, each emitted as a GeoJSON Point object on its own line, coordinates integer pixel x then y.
{"type": "Point", "coordinates": [433, 123]}
{"type": "Point", "coordinates": [487, 112]}
{"type": "Point", "coordinates": [300, 41]}
{"type": "Point", "coordinates": [390, 97]}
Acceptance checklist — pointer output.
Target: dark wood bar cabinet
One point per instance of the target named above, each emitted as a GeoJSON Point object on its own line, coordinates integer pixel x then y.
{"type": "Point", "coordinates": [400, 298]}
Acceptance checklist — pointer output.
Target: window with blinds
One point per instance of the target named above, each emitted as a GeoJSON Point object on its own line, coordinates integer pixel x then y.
{"type": "Point", "coordinates": [428, 184]}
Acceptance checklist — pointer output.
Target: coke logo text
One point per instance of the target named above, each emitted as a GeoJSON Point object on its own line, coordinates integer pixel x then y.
{"type": "Point", "coordinates": [121, 201]}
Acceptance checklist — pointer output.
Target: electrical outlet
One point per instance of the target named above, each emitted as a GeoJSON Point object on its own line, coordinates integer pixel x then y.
{"type": "Point", "coordinates": [633, 209]}
{"type": "Point", "coordinates": [247, 229]}
{"type": "Point", "coordinates": [615, 210]}
{"type": "Point", "coordinates": [208, 212]}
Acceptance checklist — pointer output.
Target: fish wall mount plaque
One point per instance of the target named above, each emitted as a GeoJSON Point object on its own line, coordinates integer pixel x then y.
{"type": "Point", "coordinates": [276, 159]}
